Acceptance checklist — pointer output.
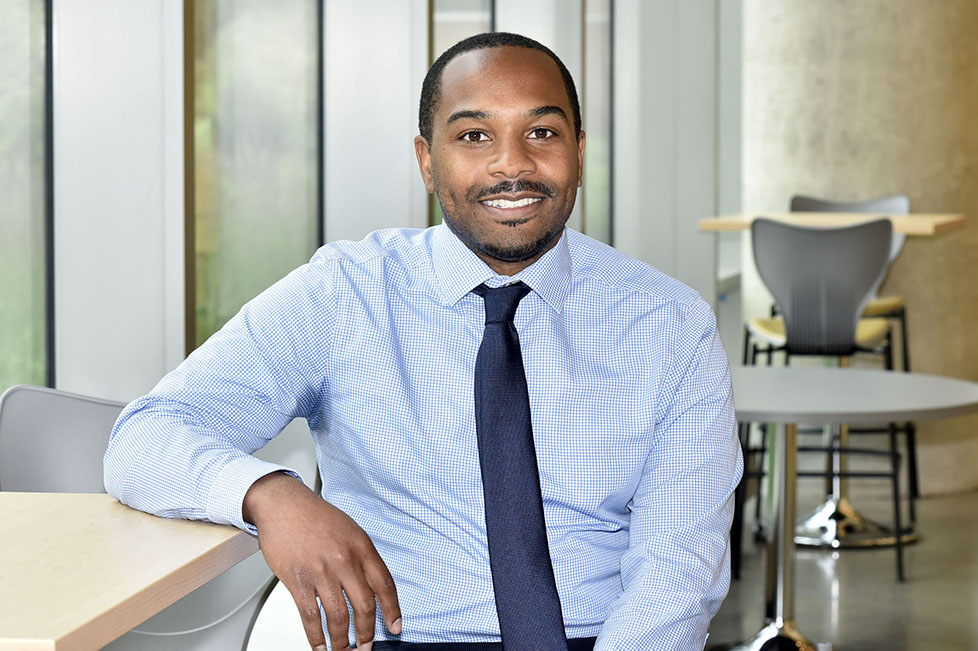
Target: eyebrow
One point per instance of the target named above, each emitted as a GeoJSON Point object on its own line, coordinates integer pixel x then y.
{"type": "Point", "coordinates": [537, 112]}
{"type": "Point", "coordinates": [541, 111]}
{"type": "Point", "coordinates": [467, 115]}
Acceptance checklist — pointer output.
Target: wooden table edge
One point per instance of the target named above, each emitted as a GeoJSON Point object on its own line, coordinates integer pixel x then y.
{"type": "Point", "coordinates": [149, 601]}
{"type": "Point", "coordinates": [741, 222]}
{"type": "Point", "coordinates": [944, 227]}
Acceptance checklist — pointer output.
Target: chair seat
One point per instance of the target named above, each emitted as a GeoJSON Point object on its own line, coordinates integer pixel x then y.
{"type": "Point", "coordinates": [869, 332]}
{"type": "Point", "coordinates": [883, 305]}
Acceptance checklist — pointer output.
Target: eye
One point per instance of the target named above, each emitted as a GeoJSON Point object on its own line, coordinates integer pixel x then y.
{"type": "Point", "coordinates": [474, 136]}
{"type": "Point", "coordinates": [541, 133]}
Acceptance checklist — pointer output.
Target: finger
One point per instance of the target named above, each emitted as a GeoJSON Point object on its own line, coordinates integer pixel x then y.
{"type": "Point", "coordinates": [364, 608]}
{"type": "Point", "coordinates": [312, 623]}
{"type": "Point", "coordinates": [337, 614]}
{"type": "Point", "coordinates": [382, 583]}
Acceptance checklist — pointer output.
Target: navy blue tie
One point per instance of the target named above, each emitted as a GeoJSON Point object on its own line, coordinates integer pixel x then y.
{"type": "Point", "coordinates": [519, 556]}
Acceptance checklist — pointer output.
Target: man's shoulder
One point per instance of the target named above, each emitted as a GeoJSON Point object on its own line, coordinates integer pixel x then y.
{"type": "Point", "coordinates": [621, 274]}
{"type": "Point", "coordinates": [407, 247]}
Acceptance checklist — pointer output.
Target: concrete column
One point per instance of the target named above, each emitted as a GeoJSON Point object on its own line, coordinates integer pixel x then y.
{"type": "Point", "coordinates": [854, 100]}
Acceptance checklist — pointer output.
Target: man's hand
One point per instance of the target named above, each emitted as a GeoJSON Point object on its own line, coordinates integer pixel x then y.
{"type": "Point", "coordinates": [316, 549]}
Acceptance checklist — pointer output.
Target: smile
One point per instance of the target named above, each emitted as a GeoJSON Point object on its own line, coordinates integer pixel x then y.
{"type": "Point", "coordinates": [506, 204]}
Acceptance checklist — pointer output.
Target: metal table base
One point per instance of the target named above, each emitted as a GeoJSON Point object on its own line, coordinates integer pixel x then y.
{"type": "Point", "coordinates": [837, 524]}
{"type": "Point", "coordinates": [778, 636]}
{"type": "Point", "coordinates": [780, 631]}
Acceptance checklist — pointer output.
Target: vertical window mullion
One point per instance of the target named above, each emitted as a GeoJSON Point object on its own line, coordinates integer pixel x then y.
{"type": "Point", "coordinates": [50, 377]}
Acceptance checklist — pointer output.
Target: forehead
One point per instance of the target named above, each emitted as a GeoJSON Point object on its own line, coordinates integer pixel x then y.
{"type": "Point", "coordinates": [501, 78]}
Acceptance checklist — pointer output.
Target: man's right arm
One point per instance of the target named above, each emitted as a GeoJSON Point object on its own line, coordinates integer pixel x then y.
{"type": "Point", "coordinates": [185, 450]}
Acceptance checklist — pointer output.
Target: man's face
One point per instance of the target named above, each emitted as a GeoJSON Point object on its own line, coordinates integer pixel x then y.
{"type": "Point", "coordinates": [504, 159]}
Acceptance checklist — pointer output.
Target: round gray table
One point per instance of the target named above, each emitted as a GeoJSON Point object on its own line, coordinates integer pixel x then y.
{"type": "Point", "coordinates": [795, 394]}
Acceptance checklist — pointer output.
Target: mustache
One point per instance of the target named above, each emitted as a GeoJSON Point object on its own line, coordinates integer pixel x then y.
{"type": "Point", "coordinates": [510, 187]}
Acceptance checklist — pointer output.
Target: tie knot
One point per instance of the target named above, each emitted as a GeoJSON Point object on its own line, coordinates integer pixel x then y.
{"type": "Point", "coordinates": [501, 302]}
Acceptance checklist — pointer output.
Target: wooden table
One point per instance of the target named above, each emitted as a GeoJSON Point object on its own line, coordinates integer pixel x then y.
{"type": "Point", "coordinates": [913, 224]}
{"type": "Point", "coordinates": [79, 570]}
{"type": "Point", "coordinates": [796, 394]}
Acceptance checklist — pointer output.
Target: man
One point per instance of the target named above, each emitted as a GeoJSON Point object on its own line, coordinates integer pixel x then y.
{"type": "Point", "coordinates": [458, 412]}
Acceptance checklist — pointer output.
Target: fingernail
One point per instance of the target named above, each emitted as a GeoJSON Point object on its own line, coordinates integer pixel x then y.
{"type": "Point", "coordinates": [396, 626]}
{"type": "Point", "coordinates": [366, 646]}
{"type": "Point", "coordinates": [319, 647]}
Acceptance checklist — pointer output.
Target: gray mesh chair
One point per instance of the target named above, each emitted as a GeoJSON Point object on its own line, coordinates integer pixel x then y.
{"type": "Point", "coordinates": [54, 441]}
{"type": "Point", "coordinates": [821, 279]}
{"type": "Point", "coordinates": [890, 307]}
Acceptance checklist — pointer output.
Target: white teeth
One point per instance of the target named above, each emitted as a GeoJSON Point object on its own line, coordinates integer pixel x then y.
{"type": "Point", "coordinates": [506, 203]}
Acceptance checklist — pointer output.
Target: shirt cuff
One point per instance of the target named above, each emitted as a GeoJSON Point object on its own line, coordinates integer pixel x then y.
{"type": "Point", "coordinates": [230, 486]}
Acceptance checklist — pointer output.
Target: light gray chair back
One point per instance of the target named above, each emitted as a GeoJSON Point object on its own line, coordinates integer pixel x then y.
{"type": "Point", "coordinates": [54, 441]}
{"type": "Point", "coordinates": [821, 279]}
{"type": "Point", "coordinates": [897, 204]}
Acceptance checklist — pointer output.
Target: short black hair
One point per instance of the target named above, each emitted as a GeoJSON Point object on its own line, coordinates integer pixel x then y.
{"type": "Point", "coordinates": [431, 88]}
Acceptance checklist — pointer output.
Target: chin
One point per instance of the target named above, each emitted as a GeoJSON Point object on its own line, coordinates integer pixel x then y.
{"type": "Point", "coordinates": [520, 251]}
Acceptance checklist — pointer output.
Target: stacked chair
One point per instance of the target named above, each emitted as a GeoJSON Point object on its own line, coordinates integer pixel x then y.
{"type": "Point", "coordinates": [822, 280]}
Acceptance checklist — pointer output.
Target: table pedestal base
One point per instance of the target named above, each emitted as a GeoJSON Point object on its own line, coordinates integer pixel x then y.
{"type": "Point", "coordinates": [783, 636]}
{"type": "Point", "coordinates": [837, 524]}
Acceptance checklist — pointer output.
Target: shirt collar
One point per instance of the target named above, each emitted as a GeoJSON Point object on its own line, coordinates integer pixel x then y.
{"type": "Point", "coordinates": [459, 270]}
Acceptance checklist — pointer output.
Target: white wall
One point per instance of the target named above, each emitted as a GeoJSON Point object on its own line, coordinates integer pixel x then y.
{"type": "Point", "coordinates": [118, 188]}
{"type": "Point", "coordinates": [375, 58]}
{"type": "Point", "coordinates": [666, 124]}
{"type": "Point", "coordinates": [730, 181]}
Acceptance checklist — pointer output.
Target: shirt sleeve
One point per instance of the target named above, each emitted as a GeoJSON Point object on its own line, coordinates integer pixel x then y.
{"type": "Point", "coordinates": [676, 571]}
{"type": "Point", "coordinates": [185, 449]}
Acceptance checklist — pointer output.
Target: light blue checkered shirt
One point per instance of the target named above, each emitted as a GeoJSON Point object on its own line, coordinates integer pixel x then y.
{"type": "Point", "coordinates": [374, 343]}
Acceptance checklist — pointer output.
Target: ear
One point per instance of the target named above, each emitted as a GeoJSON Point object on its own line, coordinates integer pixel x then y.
{"type": "Point", "coordinates": [580, 159]}
{"type": "Point", "coordinates": [423, 152]}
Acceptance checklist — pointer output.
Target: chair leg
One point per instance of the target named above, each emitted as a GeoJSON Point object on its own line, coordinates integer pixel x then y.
{"type": "Point", "coordinates": [746, 344]}
{"type": "Point", "coordinates": [888, 351]}
{"type": "Point", "coordinates": [902, 318]}
{"type": "Point", "coordinates": [831, 439]}
{"type": "Point", "coordinates": [897, 523]}
{"type": "Point", "coordinates": [737, 526]}
{"type": "Point", "coordinates": [911, 440]}
{"type": "Point", "coordinates": [762, 459]}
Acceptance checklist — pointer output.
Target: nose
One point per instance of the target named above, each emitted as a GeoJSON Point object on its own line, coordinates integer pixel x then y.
{"type": "Point", "coordinates": [512, 159]}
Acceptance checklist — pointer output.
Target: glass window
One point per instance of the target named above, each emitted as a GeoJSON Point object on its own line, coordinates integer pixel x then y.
{"type": "Point", "coordinates": [23, 190]}
{"type": "Point", "coordinates": [596, 111]}
{"type": "Point", "coordinates": [256, 149]}
{"type": "Point", "coordinates": [451, 21]}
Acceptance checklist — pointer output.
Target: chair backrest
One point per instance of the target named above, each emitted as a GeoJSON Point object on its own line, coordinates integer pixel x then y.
{"type": "Point", "coordinates": [821, 278]}
{"type": "Point", "coordinates": [54, 441]}
{"type": "Point", "coordinates": [896, 204]}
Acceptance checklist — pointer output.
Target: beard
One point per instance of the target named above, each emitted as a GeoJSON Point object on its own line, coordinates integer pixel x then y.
{"type": "Point", "coordinates": [507, 253]}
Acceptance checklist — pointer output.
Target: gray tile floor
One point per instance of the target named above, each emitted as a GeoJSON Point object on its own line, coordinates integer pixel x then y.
{"type": "Point", "coordinates": [851, 598]}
